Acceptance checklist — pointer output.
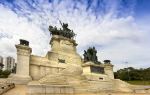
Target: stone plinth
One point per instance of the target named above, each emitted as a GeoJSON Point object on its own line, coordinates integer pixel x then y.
{"type": "Point", "coordinates": [63, 51]}
{"type": "Point", "coordinates": [99, 76]}
{"type": "Point", "coordinates": [63, 44]}
{"type": "Point", "coordinates": [109, 70]}
{"type": "Point", "coordinates": [23, 62]}
{"type": "Point", "coordinates": [86, 67]}
{"type": "Point", "coordinates": [23, 58]}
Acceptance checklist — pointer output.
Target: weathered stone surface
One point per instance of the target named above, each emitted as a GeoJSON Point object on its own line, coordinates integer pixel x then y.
{"type": "Point", "coordinates": [73, 70]}
{"type": "Point", "coordinates": [62, 71]}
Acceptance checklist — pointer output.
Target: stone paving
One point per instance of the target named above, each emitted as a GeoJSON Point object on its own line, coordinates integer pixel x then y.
{"type": "Point", "coordinates": [18, 90]}
{"type": "Point", "coordinates": [21, 90]}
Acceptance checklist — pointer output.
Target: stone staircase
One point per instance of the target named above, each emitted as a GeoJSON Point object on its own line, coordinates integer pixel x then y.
{"type": "Point", "coordinates": [122, 86]}
{"type": "Point", "coordinates": [94, 87]}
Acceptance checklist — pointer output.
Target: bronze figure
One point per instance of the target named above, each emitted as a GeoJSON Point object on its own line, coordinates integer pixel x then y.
{"type": "Point", "coordinates": [64, 31]}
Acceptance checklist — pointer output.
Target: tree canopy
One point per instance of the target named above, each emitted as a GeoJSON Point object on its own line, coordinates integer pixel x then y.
{"type": "Point", "coordinates": [131, 73]}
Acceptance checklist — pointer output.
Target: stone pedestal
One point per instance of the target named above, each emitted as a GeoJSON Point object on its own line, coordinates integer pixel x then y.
{"type": "Point", "coordinates": [18, 79]}
{"type": "Point", "coordinates": [63, 50]}
{"type": "Point", "coordinates": [23, 61]}
{"type": "Point", "coordinates": [99, 75]}
{"type": "Point", "coordinates": [63, 44]}
{"type": "Point", "coordinates": [109, 70]}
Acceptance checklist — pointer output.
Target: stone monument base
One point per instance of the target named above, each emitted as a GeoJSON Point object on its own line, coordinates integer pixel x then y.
{"type": "Point", "coordinates": [35, 88]}
{"type": "Point", "coordinates": [18, 79]}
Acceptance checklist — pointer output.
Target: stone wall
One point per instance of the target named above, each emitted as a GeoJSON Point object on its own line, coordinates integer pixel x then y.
{"type": "Point", "coordinates": [50, 90]}
{"type": "Point", "coordinates": [41, 66]}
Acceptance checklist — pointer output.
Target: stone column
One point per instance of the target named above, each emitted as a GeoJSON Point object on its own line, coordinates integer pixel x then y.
{"type": "Point", "coordinates": [108, 69]}
{"type": "Point", "coordinates": [22, 75]}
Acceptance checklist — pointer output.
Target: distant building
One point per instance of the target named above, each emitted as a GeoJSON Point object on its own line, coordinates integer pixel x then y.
{"type": "Point", "coordinates": [1, 59]}
{"type": "Point", "coordinates": [1, 63]}
{"type": "Point", "coordinates": [10, 63]}
{"type": "Point", "coordinates": [14, 69]}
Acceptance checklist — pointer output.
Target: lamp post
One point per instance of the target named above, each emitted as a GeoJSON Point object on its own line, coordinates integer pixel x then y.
{"type": "Point", "coordinates": [128, 70]}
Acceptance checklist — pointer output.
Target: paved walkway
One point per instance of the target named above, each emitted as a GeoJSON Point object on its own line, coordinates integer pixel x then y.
{"type": "Point", "coordinates": [18, 90]}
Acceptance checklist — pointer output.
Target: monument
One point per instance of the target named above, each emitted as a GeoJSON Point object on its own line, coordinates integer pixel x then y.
{"type": "Point", "coordinates": [62, 70]}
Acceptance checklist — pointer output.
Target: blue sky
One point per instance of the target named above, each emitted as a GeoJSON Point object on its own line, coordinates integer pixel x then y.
{"type": "Point", "coordinates": [142, 7]}
{"type": "Point", "coordinates": [119, 29]}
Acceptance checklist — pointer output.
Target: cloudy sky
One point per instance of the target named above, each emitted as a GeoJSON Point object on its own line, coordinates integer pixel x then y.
{"type": "Point", "coordinates": [119, 29]}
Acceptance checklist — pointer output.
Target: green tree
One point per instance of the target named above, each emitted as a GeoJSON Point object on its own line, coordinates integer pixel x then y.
{"type": "Point", "coordinates": [133, 74]}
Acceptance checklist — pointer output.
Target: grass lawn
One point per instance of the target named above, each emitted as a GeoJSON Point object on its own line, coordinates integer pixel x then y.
{"type": "Point", "coordinates": [139, 82]}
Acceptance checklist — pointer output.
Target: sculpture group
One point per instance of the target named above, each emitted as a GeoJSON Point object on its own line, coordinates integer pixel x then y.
{"type": "Point", "coordinates": [65, 31]}
{"type": "Point", "coordinates": [90, 55]}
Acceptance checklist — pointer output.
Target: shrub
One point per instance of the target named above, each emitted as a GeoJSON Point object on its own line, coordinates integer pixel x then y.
{"type": "Point", "coordinates": [4, 74]}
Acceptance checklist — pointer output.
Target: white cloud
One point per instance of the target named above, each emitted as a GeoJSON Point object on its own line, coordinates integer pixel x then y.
{"type": "Point", "coordinates": [119, 39]}
{"type": "Point", "coordinates": [14, 28]}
